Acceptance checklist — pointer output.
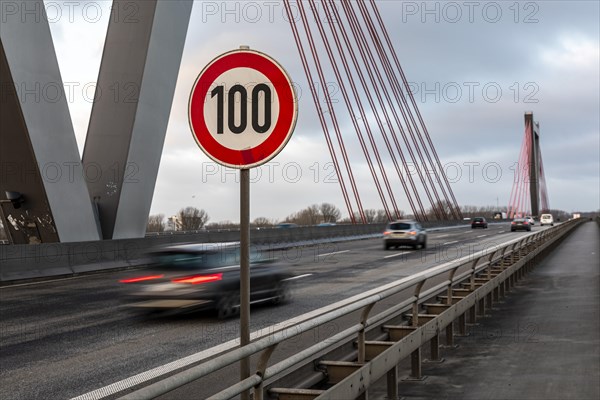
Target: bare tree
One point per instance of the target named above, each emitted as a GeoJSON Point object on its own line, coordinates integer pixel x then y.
{"type": "Point", "coordinates": [308, 216]}
{"type": "Point", "coordinates": [559, 215]}
{"type": "Point", "coordinates": [470, 211]}
{"type": "Point", "coordinates": [370, 215]}
{"type": "Point", "coordinates": [156, 223]}
{"type": "Point", "coordinates": [381, 216]}
{"type": "Point", "coordinates": [192, 219]}
{"type": "Point", "coordinates": [330, 213]}
{"type": "Point", "coordinates": [263, 222]}
{"type": "Point", "coordinates": [440, 210]}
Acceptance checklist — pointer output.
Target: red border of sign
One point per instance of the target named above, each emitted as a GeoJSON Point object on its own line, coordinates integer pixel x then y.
{"type": "Point", "coordinates": [288, 109]}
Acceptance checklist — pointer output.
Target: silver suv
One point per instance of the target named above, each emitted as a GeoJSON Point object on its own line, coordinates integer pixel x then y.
{"type": "Point", "coordinates": [404, 233]}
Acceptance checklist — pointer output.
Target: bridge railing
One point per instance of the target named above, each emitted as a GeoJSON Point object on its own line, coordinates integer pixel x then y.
{"type": "Point", "coordinates": [501, 264]}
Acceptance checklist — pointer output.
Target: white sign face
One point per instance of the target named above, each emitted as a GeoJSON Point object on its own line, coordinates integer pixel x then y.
{"type": "Point", "coordinates": [242, 109]}
{"type": "Point", "coordinates": [243, 112]}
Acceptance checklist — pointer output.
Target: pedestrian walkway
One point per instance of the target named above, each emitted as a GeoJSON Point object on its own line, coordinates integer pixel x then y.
{"type": "Point", "coordinates": [541, 342]}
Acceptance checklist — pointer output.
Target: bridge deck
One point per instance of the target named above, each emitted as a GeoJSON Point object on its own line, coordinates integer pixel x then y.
{"type": "Point", "coordinates": [543, 341]}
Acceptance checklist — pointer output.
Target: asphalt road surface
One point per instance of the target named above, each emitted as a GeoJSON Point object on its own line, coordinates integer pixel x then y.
{"type": "Point", "coordinates": [60, 339]}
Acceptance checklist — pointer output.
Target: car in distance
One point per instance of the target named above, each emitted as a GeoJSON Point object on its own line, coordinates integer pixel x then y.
{"type": "Point", "coordinates": [547, 219]}
{"type": "Point", "coordinates": [479, 222]}
{"type": "Point", "coordinates": [520, 224]}
{"type": "Point", "coordinates": [530, 219]}
{"type": "Point", "coordinates": [286, 225]}
{"type": "Point", "coordinates": [404, 233]}
{"type": "Point", "coordinates": [204, 276]}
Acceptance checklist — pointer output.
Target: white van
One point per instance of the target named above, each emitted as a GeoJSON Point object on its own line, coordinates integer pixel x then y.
{"type": "Point", "coordinates": [546, 219]}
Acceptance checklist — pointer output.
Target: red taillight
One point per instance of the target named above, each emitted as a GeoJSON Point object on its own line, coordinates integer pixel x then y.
{"type": "Point", "coordinates": [513, 223]}
{"type": "Point", "coordinates": [141, 278]}
{"type": "Point", "coordinates": [197, 279]}
{"type": "Point", "coordinates": [387, 232]}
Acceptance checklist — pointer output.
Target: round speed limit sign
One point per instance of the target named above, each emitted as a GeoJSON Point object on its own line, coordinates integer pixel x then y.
{"type": "Point", "coordinates": [242, 109]}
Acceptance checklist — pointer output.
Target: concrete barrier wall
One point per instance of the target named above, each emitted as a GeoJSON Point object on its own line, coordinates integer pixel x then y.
{"type": "Point", "coordinates": [20, 262]}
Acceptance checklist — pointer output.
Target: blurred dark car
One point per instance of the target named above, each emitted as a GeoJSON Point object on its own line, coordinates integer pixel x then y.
{"type": "Point", "coordinates": [205, 276]}
{"type": "Point", "coordinates": [404, 233]}
{"type": "Point", "coordinates": [520, 224]}
{"type": "Point", "coordinates": [479, 222]}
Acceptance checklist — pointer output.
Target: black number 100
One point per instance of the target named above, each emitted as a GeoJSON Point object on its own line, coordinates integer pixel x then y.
{"type": "Point", "coordinates": [257, 91]}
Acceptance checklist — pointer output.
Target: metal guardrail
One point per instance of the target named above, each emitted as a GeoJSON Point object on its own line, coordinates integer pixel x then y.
{"type": "Point", "coordinates": [486, 276]}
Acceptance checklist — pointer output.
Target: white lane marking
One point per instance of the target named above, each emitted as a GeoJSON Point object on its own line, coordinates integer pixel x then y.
{"type": "Point", "coordinates": [335, 252]}
{"type": "Point", "coordinates": [397, 254]}
{"type": "Point", "coordinates": [441, 236]}
{"type": "Point", "coordinates": [160, 370]}
{"type": "Point", "coordinates": [501, 231]}
{"type": "Point", "coordinates": [481, 236]}
{"type": "Point", "coordinates": [455, 241]}
{"type": "Point", "coordinates": [297, 277]}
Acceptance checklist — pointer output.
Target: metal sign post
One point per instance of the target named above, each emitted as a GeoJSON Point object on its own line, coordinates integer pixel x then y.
{"type": "Point", "coordinates": [244, 269]}
{"type": "Point", "coordinates": [242, 113]}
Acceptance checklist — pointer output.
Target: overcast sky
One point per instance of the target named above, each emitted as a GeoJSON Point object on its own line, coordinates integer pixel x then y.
{"type": "Point", "coordinates": [515, 56]}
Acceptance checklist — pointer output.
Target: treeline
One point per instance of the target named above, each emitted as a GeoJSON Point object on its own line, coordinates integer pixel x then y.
{"type": "Point", "coordinates": [315, 214]}
{"type": "Point", "coordinates": [194, 219]}
{"type": "Point", "coordinates": [187, 219]}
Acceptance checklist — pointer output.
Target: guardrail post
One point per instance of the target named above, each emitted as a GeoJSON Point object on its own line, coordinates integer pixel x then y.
{"type": "Point", "coordinates": [473, 315]}
{"type": "Point", "coordinates": [450, 327]}
{"type": "Point", "coordinates": [415, 356]}
{"type": "Point", "coordinates": [462, 324]}
{"type": "Point", "coordinates": [514, 257]}
{"type": "Point", "coordinates": [529, 245]}
{"type": "Point", "coordinates": [472, 277]}
{"type": "Point", "coordinates": [523, 251]}
{"type": "Point", "coordinates": [472, 310]}
{"type": "Point", "coordinates": [361, 334]}
{"type": "Point", "coordinates": [513, 254]}
{"type": "Point", "coordinates": [392, 384]}
{"type": "Point", "coordinates": [260, 370]}
{"type": "Point", "coordinates": [490, 264]}
{"type": "Point", "coordinates": [450, 284]}
{"type": "Point", "coordinates": [450, 335]}
{"type": "Point", "coordinates": [489, 303]}
{"type": "Point", "coordinates": [481, 307]}
{"type": "Point", "coordinates": [536, 241]}
{"type": "Point", "coordinates": [503, 257]}
{"type": "Point", "coordinates": [435, 349]}
{"type": "Point", "coordinates": [488, 298]}
{"type": "Point", "coordinates": [496, 294]}
{"type": "Point", "coordinates": [415, 365]}
{"type": "Point", "coordinates": [415, 305]}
